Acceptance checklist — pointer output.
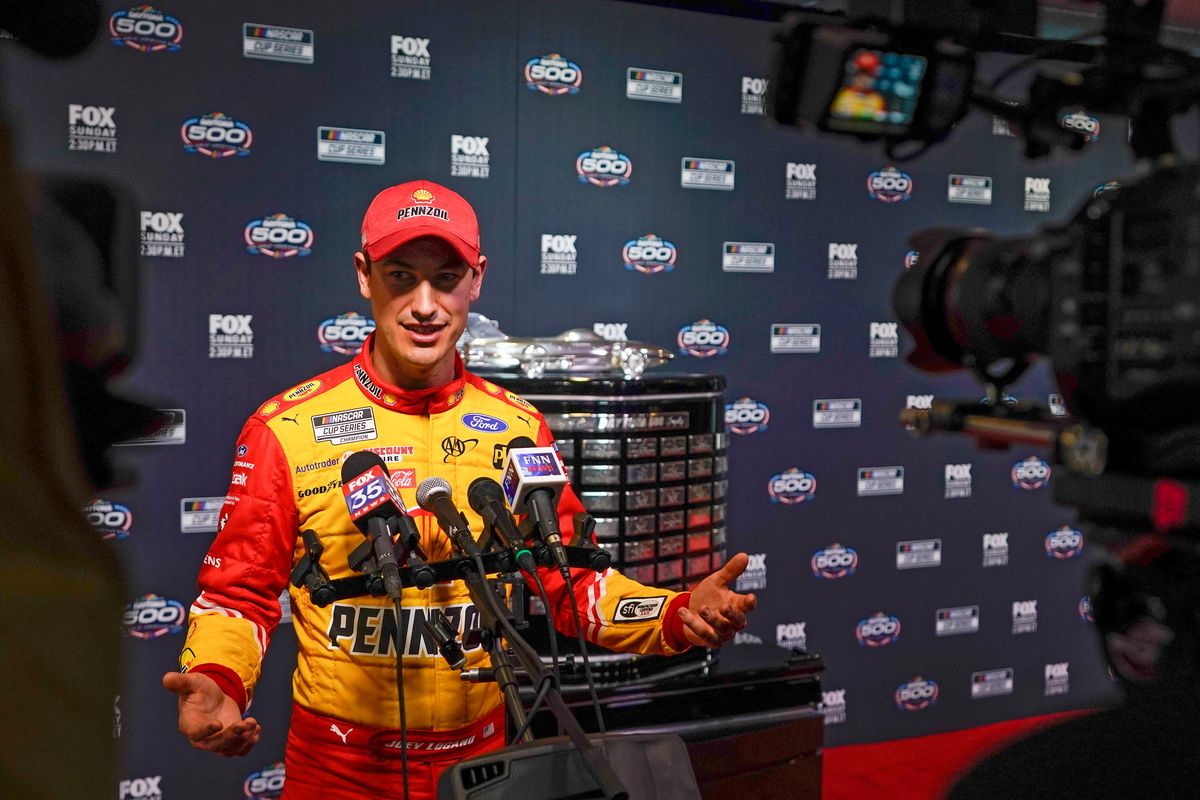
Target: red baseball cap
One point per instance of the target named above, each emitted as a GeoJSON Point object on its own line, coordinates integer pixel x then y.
{"type": "Point", "coordinates": [411, 210]}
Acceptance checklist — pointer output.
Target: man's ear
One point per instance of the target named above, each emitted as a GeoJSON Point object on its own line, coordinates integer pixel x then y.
{"type": "Point", "coordinates": [477, 278]}
{"type": "Point", "coordinates": [362, 268]}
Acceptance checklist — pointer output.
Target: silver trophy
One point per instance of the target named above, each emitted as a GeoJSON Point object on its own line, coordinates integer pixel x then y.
{"type": "Point", "coordinates": [484, 347]}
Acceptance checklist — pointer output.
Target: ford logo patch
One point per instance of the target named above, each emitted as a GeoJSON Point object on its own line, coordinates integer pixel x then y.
{"type": "Point", "coordinates": [484, 424]}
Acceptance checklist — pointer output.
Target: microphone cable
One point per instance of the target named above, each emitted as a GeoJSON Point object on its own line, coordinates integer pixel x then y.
{"type": "Point", "coordinates": [547, 683]}
{"type": "Point", "coordinates": [583, 654]}
{"type": "Point", "coordinates": [400, 697]}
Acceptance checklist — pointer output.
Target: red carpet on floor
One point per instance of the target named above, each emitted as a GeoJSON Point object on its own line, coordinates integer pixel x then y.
{"type": "Point", "coordinates": [921, 768]}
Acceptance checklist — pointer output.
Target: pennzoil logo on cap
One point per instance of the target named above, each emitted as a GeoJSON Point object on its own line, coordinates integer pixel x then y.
{"type": "Point", "coordinates": [422, 196]}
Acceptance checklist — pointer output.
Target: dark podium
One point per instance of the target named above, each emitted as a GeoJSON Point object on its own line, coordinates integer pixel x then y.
{"type": "Point", "coordinates": [749, 715]}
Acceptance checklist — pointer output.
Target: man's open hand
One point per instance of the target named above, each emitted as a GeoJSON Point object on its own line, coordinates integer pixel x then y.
{"type": "Point", "coordinates": [209, 718]}
{"type": "Point", "coordinates": [716, 612]}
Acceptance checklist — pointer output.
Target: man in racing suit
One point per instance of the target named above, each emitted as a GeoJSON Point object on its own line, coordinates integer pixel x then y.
{"type": "Point", "coordinates": [407, 397]}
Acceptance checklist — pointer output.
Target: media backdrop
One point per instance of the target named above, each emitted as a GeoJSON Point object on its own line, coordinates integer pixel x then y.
{"type": "Point", "coordinates": [626, 180]}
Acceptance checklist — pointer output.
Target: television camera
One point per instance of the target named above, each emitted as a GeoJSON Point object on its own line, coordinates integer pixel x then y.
{"type": "Point", "coordinates": [1111, 296]}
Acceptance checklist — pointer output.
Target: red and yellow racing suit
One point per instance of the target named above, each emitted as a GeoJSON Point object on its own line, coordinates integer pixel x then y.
{"type": "Point", "coordinates": [286, 478]}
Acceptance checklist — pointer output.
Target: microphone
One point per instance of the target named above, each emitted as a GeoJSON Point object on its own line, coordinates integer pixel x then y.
{"type": "Point", "coordinates": [433, 495]}
{"type": "Point", "coordinates": [371, 500]}
{"type": "Point", "coordinates": [446, 638]}
{"type": "Point", "coordinates": [487, 500]}
{"type": "Point", "coordinates": [533, 480]}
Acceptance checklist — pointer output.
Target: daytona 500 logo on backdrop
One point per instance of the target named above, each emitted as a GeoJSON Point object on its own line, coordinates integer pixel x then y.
{"type": "Point", "coordinates": [649, 254]}
{"type": "Point", "coordinates": [834, 561]}
{"type": "Point", "coordinates": [553, 75]}
{"type": "Point", "coordinates": [877, 630]}
{"type": "Point", "coordinates": [151, 616]}
{"type": "Point", "coordinates": [917, 694]}
{"type": "Point", "coordinates": [890, 185]}
{"type": "Point", "coordinates": [145, 29]}
{"type": "Point", "coordinates": [745, 416]}
{"type": "Point", "coordinates": [266, 783]}
{"type": "Point", "coordinates": [792, 486]}
{"type": "Point", "coordinates": [1030, 473]}
{"type": "Point", "coordinates": [603, 167]}
{"type": "Point", "coordinates": [1064, 542]}
{"type": "Point", "coordinates": [216, 135]}
{"type": "Point", "coordinates": [702, 339]}
{"type": "Point", "coordinates": [111, 520]}
{"type": "Point", "coordinates": [278, 236]}
{"type": "Point", "coordinates": [344, 333]}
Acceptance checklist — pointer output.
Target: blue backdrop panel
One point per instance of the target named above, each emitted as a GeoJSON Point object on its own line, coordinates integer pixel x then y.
{"type": "Point", "coordinates": [1026, 603]}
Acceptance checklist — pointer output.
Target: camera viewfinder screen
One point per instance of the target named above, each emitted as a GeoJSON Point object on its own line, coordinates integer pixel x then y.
{"type": "Point", "coordinates": [879, 91]}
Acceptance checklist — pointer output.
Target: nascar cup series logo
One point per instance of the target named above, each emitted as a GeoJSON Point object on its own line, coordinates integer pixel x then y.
{"type": "Point", "coordinates": [745, 416]}
{"type": "Point", "coordinates": [792, 486]}
{"type": "Point", "coordinates": [1030, 473]}
{"type": "Point", "coordinates": [991, 683]}
{"type": "Point", "coordinates": [145, 29]}
{"type": "Point", "coordinates": [703, 339]}
{"type": "Point", "coordinates": [1065, 542]}
{"type": "Point", "coordinates": [649, 254]}
{"type": "Point", "coordinates": [216, 135]}
{"type": "Point", "coordinates": [603, 167]}
{"type": "Point", "coordinates": [1083, 123]}
{"type": "Point", "coordinates": [266, 783]}
{"type": "Point", "coordinates": [111, 520]}
{"type": "Point", "coordinates": [278, 236]}
{"type": "Point", "coordinates": [890, 185]}
{"type": "Point", "coordinates": [151, 616]}
{"type": "Point", "coordinates": [878, 630]}
{"type": "Point", "coordinates": [844, 412]}
{"type": "Point", "coordinates": [833, 562]}
{"type": "Point", "coordinates": [553, 75]}
{"type": "Point", "coordinates": [276, 43]}
{"type": "Point", "coordinates": [344, 333]}
{"type": "Point", "coordinates": [916, 694]}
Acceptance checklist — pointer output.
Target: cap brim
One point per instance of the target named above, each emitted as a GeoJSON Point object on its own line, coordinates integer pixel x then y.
{"type": "Point", "coordinates": [378, 249]}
